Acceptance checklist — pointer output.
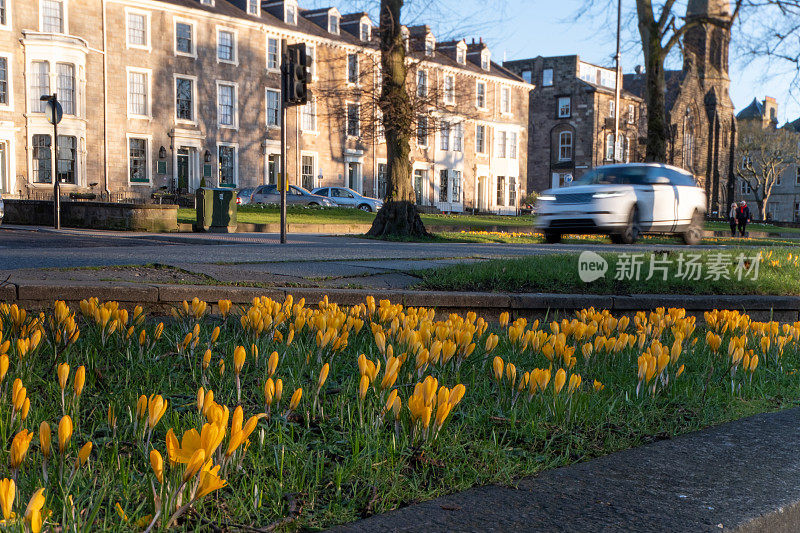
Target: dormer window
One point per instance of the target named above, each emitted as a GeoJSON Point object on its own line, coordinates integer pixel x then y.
{"type": "Point", "coordinates": [291, 14]}
{"type": "Point", "coordinates": [333, 24]}
{"type": "Point", "coordinates": [485, 60]}
{"type": "Point", "coordinates": [366, 31]}
{"type": "Point", "coordinates": [430, 46]}
{"type": "Point", "coordinates": [461, 55]}
{"type": "Point", "coordinates": [209, 3]}
{"type": "Point", "coordinates": [253, 7]}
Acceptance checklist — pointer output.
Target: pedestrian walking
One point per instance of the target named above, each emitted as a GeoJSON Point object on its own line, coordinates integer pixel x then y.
{"type": "Point", "coordinates": [732, 219]}
{"type": "Point", "coordinates": [742, 217]}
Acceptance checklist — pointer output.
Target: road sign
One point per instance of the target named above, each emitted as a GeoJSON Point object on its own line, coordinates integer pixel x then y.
{"type": "Point", "coordinates": [53, 111]}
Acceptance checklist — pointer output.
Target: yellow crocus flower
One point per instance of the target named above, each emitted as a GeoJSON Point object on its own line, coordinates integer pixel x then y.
{"type": "Point", "coordinates": [84, 452]}
{"type": "Point", "coordinates": [64, 433]}
{"type": "Point", "coordinates": [80, 380]}
{"type": "Point", "coordinates": [141, 407]}
{"type": "Point", "coordinates": [209, 482]}
{"type": "Point", "coordinates": [323, 375]}
{"type": "Point", "coordinates": [239, 356]}
{"type": "Point", "coordinates": [33, 513]}
{"type": "Point", "coordinates": [363, 386]}
{"type": "Point", "coordinates": [295, 401]}
{"type": "Point", "coordinates": [157, 463]}
{"type": "Point", "coordinates": [8, 492]}
{"type": "Point", "coordinates": [45, 438]}
{"type": "Point", "coordinates": [156, 407]}
{"type": "Point", "coordinates": [560, 380]}
{"type": "Point", "coordinates": [272, 364]}
{"type": "Point", "coordinates": [19, 448]}
{"type": "Point", "coordinates": [194, 464]}
{"type": "Point", "coordinates": [63, 375]}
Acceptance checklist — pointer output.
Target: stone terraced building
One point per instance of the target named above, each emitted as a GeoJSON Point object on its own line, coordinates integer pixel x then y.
{"type": "Point", "coordinates": [166, 94]}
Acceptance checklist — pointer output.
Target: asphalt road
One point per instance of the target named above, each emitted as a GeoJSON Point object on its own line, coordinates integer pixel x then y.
{"type": "Point", "coordinates": [22, 247]}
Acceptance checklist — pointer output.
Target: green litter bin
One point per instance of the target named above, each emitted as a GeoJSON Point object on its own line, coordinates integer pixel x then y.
{"type": "Point", "coordinates": [216, 210]}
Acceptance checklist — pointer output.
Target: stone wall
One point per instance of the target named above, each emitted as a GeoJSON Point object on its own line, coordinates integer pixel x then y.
{"type": "Point", "coordinates": [94, 215]}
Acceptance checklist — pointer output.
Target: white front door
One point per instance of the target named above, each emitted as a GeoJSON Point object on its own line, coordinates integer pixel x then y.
{"type": "Point", "coordinates": [354, 177]}
{"type": "Point", "coordinates": [5, 186]}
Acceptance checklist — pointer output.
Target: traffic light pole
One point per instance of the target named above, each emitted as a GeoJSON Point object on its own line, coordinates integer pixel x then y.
{"type": "Point", "coordinates": [54, 174]}
{"type": "Point", "coordinates": [284, 177]}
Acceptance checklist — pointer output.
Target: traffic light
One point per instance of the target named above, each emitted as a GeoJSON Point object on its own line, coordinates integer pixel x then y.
{"type": "Point", "coordinates": [297, 74]}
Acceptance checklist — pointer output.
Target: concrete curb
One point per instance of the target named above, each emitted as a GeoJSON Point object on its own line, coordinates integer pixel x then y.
{"type": "Point", "coordinates": [740, 476]}
{"type": "Point", "coordinates": [40, 294]}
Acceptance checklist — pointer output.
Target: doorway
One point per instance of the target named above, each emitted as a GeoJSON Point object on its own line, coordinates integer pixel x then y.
{"type": "Point", "coordinates": [4, 185]}
{"type": "Point", "coordinates": [354, 176]}
{"type": "Point", "coordinates": [482, 193]}
{"type": "Point", "coordinates": [184, 169]}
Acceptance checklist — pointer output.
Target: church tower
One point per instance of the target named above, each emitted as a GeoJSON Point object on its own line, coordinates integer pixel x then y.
{"type": "Point", "coordinates": [706, 46]}
{"type": "Point", "coordinates": [703, 118]}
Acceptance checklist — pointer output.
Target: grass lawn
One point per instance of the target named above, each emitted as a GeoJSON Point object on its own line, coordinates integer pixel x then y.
{"type": "Point", "coordinates": [779, 273]}
{"type": "Point", "coordinates": [294, 214]}
{"type": "Point", "coordinates": [321, 215]}
{"type": "Point", "coordinates": [754, 226]}
{"type": "Point", "coordinates": [510, 402]}
{"type": "Point", "coordinates": [533, 237]}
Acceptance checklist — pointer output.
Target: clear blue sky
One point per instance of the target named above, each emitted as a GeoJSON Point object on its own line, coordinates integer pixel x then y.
{"type": "Point", "coordinates": [517, 29]}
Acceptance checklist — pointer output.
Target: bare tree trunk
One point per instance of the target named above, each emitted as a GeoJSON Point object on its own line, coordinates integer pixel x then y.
{"type": "Point", "coordinates": [398, 216]}
{"type": "Point", "coordinates": [655, 86]}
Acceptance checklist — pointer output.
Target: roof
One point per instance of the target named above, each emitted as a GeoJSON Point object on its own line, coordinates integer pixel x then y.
{"type": "Point", "coordinates": [634, 83]}
{"type": "Point", "coordinates": [304, 25]}
{"type": "Point", "coordinates": [753, 111]}
{"type": "Point", "coordinates": [708, 7]}
{"type": "Point", "coordinates": [609, 90]}
{"type": "Point", "coordinates": [353, 17]}
{"type": "Point", "coordinates": [794, 126]}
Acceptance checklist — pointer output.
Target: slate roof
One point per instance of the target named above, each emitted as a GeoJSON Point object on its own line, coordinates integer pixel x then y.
{"type": "Point", "coordinates": [634, 83]}
{"type": "Point", "coordinates": [227, 8]}
{"type": "Point", "coordinates": [754, 110]}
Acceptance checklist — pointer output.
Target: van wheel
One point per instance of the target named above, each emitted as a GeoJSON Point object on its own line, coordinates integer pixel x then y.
{"type": "Point", "coordinates": [552, 237]}
{"type": "Point", "coordinates": [694, 233]}
{"type": "Point", "coordinates": [632, 230]}
{"type": "Point", "coordinates": [313, 204]}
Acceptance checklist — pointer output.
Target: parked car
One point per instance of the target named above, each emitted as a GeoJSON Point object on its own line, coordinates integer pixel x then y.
{"type": "Point", "coordinates": [2, 209]}
{"type": "Point", "coordinates": [243, 196]}
{"type": "Point", "coordinates": [625, 201]}
{"type": "Point", "coordinates": [269, 194]}
{"type": "Point", "coordinates": [346, 197]}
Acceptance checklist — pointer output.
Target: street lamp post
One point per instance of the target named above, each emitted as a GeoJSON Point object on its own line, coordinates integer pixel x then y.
{"type": "Point", "coordinates": [54, 113]}
{"type": "Point", "coordinates": [618, 150]}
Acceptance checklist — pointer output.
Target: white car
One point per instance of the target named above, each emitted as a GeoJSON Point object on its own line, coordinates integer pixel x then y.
{"type": "Point", "coordinates": [347, 197]}
{"type": "Point", "coordinates": [625, 201]}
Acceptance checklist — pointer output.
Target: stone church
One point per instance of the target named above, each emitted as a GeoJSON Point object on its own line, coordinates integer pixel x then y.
{"type": "Point", "coordinates": [700, 112]}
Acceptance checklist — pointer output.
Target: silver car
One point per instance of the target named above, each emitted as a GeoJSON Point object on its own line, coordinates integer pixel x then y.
{"type": "Point", "coordinates": [346, 197]}
{"type": "Point", "coordinates": [269, 194]}
{"type": "Point", "coordinates": [2, 209]}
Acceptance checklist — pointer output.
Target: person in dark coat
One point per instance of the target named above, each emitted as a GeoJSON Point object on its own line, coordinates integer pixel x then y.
{"type": "Point", "coordinates": [732, 219]}
{"type": "Point", "coordinates": [742, 217]}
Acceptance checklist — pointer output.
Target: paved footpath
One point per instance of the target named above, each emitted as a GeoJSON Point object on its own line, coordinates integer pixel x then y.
{"type": "Point", "coordinates": [741, 476]}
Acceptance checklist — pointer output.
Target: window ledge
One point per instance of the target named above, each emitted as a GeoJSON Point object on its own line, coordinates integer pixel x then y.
{"type": "Point", "coordinates": [184, 54]}
{"type": "Point", "coordinates": [144, 47]}
{"type": "Point", "coordinates": [235, 63]}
